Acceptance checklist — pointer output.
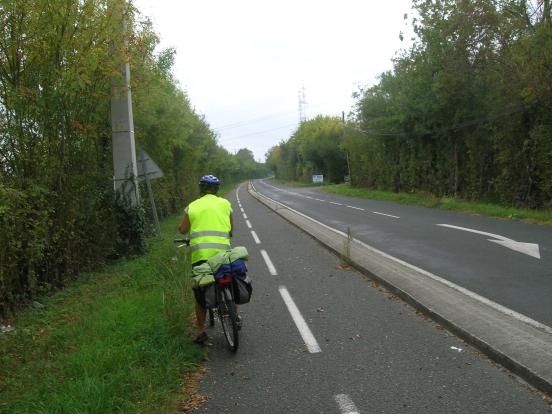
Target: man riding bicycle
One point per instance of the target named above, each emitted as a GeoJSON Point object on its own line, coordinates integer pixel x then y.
{"type": "Point", "coordinates": [209, 222]}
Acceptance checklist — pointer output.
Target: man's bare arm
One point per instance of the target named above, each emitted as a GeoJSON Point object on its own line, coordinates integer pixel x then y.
{"type": "Point", "coordinates": [184, 225]}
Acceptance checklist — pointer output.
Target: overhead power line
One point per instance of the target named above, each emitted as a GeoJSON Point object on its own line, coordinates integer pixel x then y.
{"type": "Point", "coordinates": [258, 133]}
{"type": "Point", "coordinates": [251, 121]}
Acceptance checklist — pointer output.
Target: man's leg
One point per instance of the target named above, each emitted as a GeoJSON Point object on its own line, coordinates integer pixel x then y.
{"type": "Point", "coordinates": [201, 314]}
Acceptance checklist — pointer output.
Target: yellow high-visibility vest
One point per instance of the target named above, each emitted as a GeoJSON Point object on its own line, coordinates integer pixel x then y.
{"type": "Point", "coordinates": [209, 226]}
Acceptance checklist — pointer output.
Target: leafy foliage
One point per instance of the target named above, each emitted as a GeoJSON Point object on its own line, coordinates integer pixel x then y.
{"type": "Point", "coordinates": [57, 213]}
{"type": "Point", "coordinates": [314, 148]}
{"type": "Point", "coordinates": [465, 112]}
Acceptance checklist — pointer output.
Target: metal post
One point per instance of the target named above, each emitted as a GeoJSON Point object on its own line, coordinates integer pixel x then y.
{"type": "Point", "coordinates": [150, 193]}
{"type": "Point", "coordinates": [346, 152]}
{"type": "Point", "coordinates": [122, 123]}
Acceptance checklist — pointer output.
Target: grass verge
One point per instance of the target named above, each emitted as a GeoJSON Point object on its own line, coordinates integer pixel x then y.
{"type": "Point", "coordinates": [444, 203]}
{"type": "Point", "coordinates": [427, 200]}
{"type": "Point", "coordinates": [113, 341]}
{"type": "Point", "coordinates": [297, 184]}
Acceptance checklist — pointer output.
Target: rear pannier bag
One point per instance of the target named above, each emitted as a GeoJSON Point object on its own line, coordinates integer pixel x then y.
{"type": "Point", "coordinates": [242, 290]}
{"type": "Point", "coordinates": [205, 296]}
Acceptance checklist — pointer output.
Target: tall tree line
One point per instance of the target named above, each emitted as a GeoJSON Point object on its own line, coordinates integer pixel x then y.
{"type": "Point", "coordinates": [465, 112]}
{"type": "Point", "coordinates": [57, 211]}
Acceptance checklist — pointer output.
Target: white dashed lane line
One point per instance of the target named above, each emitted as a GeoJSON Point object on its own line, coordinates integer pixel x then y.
{"type": "Point", "coordinates": [255, 237]}
{"type": "Point", "coordinates": [331, 202]}
{"type": "Point", "coordinates": [346, 405]}
{"type": "Point", "coordinates": [245, 216]}
{"type": "Point", "coordinates": [269, 263]}
{"type": "Point", "coordinates": [304, 330]}
{"type": "Point", "coordinates": [248, 224]}
{"type": "Point", "coordinates": [387, 215]}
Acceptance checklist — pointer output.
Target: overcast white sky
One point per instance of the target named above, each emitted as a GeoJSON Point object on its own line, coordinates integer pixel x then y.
{"type": "Point", "coordinates": [243, 62]}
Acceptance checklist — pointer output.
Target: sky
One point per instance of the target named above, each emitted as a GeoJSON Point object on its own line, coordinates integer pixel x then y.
{"type": "Point", "coordinates": [244, 62]}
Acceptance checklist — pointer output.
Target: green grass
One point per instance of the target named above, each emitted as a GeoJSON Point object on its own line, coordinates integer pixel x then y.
{"type": "Point", "coordinates": [297, 183]}
{"type": "Point", "coordinates": [116, 341]}
{"type": "Point", "coordinates": [445, 203]}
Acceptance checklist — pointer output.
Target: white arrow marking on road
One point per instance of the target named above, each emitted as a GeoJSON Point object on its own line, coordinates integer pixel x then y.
{"type": "Point", "coordinates": [530, 249]}
{"type": "Point", "coordinates": [346, 405]}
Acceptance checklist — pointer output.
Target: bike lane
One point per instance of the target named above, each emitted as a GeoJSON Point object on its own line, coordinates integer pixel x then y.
{"type": "Point", "coordinates": [376, 354]}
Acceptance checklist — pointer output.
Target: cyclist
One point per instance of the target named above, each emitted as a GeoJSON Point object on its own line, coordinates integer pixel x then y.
{"type": "Point", "coordinates": [209, 222]}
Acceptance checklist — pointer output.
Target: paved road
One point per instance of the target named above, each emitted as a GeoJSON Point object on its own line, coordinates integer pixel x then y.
{"type": "Point", "coordinates": [462, 254]}
{"type": "Point", "coordinates": [376, 355]}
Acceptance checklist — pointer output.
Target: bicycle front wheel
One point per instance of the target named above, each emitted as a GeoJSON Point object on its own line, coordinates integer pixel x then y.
{"type": "Point", "coordinates": [228, 318]}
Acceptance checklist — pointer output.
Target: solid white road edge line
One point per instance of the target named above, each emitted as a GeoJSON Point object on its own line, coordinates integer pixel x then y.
{"type": "Point", "coordinates": [268, 263]}
{"type": "Point", "coordinates": [346, 405]}
{"type": "Point", "coordinates": [306, 334]}
{"type": "Point", "coordinates": [383, 214]}
{"type": "Point", "coordinates": [248, 224]}
{"type": "Point", "coordinates": [473, 295]}
{"type": "Point", "coordinates": [255, 237]}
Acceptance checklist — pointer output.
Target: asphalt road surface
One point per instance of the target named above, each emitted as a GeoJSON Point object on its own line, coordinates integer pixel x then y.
{"type": "Point", "coordinates": [474, 252]}
{"type": "Point", "coordinates": [320, 338]}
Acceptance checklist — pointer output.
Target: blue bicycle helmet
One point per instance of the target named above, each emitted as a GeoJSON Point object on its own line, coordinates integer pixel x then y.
{"type": "Point", "coordinates": [209, 182]}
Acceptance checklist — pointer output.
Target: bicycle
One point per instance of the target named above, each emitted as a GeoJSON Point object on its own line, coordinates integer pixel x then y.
{"type": "Point", "coordinates": [224, 306]}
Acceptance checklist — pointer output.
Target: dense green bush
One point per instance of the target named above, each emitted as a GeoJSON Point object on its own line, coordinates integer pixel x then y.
{"type": "Point", "coordinates": [465, 112]}
{"type": "Point", "coordinates": [57, 210]}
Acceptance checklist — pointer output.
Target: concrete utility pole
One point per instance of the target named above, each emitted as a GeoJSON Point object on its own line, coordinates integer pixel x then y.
{"type": "Point", "coordinates": [122, 123]}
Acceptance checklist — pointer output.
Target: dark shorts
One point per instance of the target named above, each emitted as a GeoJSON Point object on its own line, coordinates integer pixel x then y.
{"type": "Point", "coordinates": [199, 293]}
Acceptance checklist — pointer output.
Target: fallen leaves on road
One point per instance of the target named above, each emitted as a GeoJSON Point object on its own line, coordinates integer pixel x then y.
{"type": "Point", "coordinates": [343, 266]}
{"type": "Point", "coordinates": [194, 398]}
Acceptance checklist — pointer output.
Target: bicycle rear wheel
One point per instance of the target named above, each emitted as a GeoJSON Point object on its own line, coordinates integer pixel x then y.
{"type": "Point", "coordinates": [228, 318]}
{"type": "Point", "coordinates": [211, 317]}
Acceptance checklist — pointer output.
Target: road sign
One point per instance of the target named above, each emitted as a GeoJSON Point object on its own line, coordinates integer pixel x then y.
{"type": "Point", "coordinates": [145, 163]}
{"type": "Point", "coordinates": [148, 169]}
{"type": "Point", "coordinates": [318, 178]}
